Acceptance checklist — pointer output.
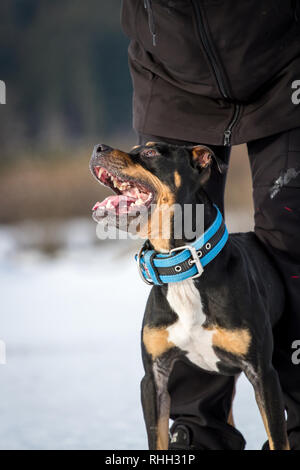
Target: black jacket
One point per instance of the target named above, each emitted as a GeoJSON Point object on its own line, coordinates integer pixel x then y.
{"type": "Point", "coordinates": [213, 71]}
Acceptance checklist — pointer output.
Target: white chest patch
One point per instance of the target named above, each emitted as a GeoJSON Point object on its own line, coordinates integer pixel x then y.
{"type": "Point", "coordinates": [187, 332]}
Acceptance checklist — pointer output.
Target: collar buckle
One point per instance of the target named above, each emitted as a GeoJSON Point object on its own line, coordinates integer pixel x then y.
{"type": "Point", "coordinates": [195, 259]}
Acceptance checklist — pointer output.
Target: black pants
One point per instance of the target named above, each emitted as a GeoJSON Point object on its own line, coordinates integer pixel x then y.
{"type": "Point", "coordinates": [201, 400]}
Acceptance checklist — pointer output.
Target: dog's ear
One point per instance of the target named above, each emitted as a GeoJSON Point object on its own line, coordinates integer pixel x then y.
{"type": "Point", "coordinates": [203, 157]}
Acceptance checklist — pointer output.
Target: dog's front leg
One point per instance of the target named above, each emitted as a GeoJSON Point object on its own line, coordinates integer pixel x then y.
{"type": "Point", "coordinates": [149, 405]}
{"type": "Point", "coordinates": [159, 356]}
{"type": "Point", "coordinates": [156, 405]}
{"type": "Point", "coordinates": [269, 399]}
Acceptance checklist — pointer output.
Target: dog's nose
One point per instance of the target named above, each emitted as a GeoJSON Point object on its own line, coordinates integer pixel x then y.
{"type": "Point", "coordinates": [100, 148]}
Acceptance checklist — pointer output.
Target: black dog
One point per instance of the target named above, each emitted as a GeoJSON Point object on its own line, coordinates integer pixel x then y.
{"type": "Point", "coordinates": [221, 317]}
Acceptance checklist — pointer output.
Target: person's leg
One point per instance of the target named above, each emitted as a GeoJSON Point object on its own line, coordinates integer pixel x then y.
{"type": "Point", "coordinates": [200, 401]}
{"type": "Point", "coordinates": [275, 165]}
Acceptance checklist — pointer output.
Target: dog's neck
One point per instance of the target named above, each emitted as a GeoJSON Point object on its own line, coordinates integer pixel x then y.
{"type": "Point", "coordinates": [212, 270]}
{"type": "Point", "coordinates": [164, 245]}
{"type": "Point", "coordinates": [207, 218]}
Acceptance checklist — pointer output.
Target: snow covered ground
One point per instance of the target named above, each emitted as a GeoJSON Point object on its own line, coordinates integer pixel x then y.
{"type": "Point", "coordinates": [71, 325]}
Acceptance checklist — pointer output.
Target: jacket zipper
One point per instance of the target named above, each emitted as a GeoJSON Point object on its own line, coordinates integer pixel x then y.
{"type": "Point", "coordinates": [228, 131]}
{"type": "Point", "coordinates": [209, 50]}
{"type": "Point", "coordinates": [217, 70]}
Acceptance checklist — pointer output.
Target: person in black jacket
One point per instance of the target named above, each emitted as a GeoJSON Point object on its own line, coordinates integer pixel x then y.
{"type": "Point", "coordinates": [222, 73]}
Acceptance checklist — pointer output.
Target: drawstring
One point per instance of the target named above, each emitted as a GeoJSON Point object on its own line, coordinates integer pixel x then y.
{"type": "Point", "coordinates": [151, 22]}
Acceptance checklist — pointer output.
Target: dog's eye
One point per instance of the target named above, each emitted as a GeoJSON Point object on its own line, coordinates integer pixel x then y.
{"type": "Point", "coordinates": [150, 153]}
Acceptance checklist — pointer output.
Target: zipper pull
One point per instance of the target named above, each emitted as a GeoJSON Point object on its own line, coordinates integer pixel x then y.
{"type": "Point", "coordinates": [227, 137]}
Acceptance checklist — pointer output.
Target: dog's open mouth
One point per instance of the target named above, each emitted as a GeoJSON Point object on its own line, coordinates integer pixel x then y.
{"type": "Point", "coordinates": [130, 197]}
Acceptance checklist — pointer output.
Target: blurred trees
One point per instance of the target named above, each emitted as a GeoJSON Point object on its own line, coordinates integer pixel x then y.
{"type": "Point", "coordinates": [64, 63]}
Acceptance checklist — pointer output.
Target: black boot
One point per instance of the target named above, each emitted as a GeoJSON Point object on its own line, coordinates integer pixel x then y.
{"type": "Point", "coordinates": [181, 438]}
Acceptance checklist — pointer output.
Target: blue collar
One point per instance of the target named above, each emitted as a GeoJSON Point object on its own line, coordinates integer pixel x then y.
{"type": "Point", "coordinates": [185, 262]}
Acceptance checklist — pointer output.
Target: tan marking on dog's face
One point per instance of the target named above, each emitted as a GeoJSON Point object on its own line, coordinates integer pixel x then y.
{"type": "Point", "coordinates": [156, 341]}
{"type": "Point", "coordinates": [135, 147]}
{"type": "Point", "coordinates": [157, 230]}
{"type": "Point", "coordinates": [233, 341]}
{"type": "Point", "coordinates": [177, 179]}
{"type": "Point", "coordinates": [121, 156]}
{"type": "Point", "coordinates": [164, 193]}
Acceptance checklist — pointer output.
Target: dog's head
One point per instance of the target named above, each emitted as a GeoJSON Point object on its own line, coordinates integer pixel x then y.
{"type": "Point", "coordinates": [152, 175]}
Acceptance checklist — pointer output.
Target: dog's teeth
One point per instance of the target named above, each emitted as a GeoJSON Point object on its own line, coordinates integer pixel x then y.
{"type": "Point", "coordinates": [100, 172]}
